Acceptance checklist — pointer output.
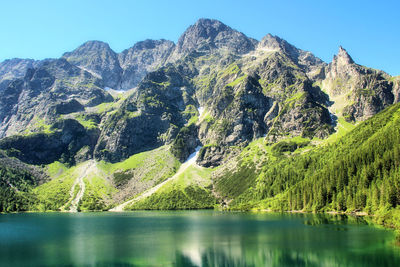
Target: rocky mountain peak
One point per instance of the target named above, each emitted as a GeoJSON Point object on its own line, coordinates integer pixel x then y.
{"type": "Point", "coordinates": [90, 46]}
{"type": "Point", "coordinates": [271, 42]}
{"type": "Point", "coordinates": [209, 26]}
{"type": "Point", "coordinates": [343, 58]}
{"type": "Point", "coordinates": [358, 92]}
{"type": "Point", "coordinates": [342, 65]}
{"type": "Point", "coordinates": [98, 58]}
{"type": "Point", "coordinates": [247, 92]}
{"type": "Point", "coordinates": [305, 59]}
{"type": "Point", "coordinates": [275, 43]}
{"type": "Point", "coordinates": [207, 35]}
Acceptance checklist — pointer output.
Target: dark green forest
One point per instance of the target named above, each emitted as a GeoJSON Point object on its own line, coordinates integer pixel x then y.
{"type": "Point", "coordinates": [15, 189]}
{"type": "Point", "coordinates": [358, 173]}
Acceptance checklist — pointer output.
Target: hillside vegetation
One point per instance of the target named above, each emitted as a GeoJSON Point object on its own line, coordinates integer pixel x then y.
{"type": "Point", "coordinates": [279, 129]}
{"type": "Point", "coordinates": [190, 190]}
{"type": "Point", "coordinates": [357, 173]}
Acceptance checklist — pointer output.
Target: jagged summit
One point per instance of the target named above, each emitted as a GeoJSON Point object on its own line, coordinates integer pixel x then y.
{"type": "Point", "coordinates": [343, 56]}
{"type": "Point", "coordinates": [208, 28]}
{"type": "Point", "coordinates": [342, 65]}
{"type": "Point", "coordinates": [98, 58]}
{"type": "Point", "coordinates": [210, 23]}
{"type": "Point", "coordinates": [208, 35]}
{"type": "Point", "coordinates": [149, 44]}
{"type": "Point", "coordinates": [211, 57]}
{"type": "Point", "coordinates": [272, 42]}
{"type": "Point", "coordinates": [92, 45]}
{"type": "Point", "coordinates": [275, 43]}
{"type": "Point", "coordinates": [307, 60]}
{"type": "Point", "coordinates": [358, 92]}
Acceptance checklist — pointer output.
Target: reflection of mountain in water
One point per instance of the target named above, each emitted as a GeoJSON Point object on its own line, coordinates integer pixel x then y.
{"type": "Point", "coordinates": [337, 219]}
{"type": "Point", "coordinates": [267, 257]}
{"type": "Point", "coordinates": [192, 238]}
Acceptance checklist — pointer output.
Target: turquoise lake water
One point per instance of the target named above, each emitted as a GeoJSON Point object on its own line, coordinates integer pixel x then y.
{"type": "Point", "coordinates": [192, 238]}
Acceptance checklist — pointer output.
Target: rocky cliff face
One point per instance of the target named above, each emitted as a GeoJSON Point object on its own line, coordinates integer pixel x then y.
{"type": "Point", "coordinates": [15, 68]}
{"type": "Point", "coordinates": [121, 71]}
{"type": "Point", "coordinates": [149, 117]}
{"type": "Point", "coordinates": [304, 59]}
{"type": "Point", "coordinates": [125, 70]}
{"type": "Point", "coordinates": [68, 142]}
{"type": "Point", "coordinates": [141, 59]}
{"type": "Point", "coordinates": [56, 88]}
{"type": "Point", "coordinates": [99, 59]}
{"type": "Point", "coordinates": [216, 87]}
{"type": "Point", "coordinates": [357, 92]}
{"type": "Point", "coordinates": [265, 92]}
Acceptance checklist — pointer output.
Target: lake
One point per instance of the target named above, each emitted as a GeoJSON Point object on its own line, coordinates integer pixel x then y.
{"type": "Point", "coordinates": [192, 238]}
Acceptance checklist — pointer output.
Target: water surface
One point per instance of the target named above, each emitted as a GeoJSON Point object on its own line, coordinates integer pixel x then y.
{"type": "Point", "coordinates": [192, 238]}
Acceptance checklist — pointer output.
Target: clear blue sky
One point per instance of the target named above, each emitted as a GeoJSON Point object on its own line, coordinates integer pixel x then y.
{"type": "Point", "coordinates": [369, 30]}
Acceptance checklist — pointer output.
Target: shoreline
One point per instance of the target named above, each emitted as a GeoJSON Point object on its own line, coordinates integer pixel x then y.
{"type": "Point", "coordinates": [360, 214]}
{"type": "Point", "coordinates": [353, 214]}
{"type": "Point", "coordinates": [357, 214]}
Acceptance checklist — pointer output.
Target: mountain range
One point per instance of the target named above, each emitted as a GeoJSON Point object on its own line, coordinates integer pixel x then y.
{"type": "Point", "coordinates": [96, 129]}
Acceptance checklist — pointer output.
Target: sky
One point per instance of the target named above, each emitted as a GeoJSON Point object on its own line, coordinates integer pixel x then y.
{"type": "Point", "coordinates": [368, 30]}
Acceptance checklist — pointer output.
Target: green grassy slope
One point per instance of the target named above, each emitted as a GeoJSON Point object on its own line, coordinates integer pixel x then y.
{"type": "Point", "coordinates": [55, 194]}
{"type": "Point", "coordinates": [98, 193]}
{"type": "Point", "coordinates": [157, 164]}
{"type": "Point", "coordinates": [189, 190]}
{"type": "Point", "coordinates": [105, 183]}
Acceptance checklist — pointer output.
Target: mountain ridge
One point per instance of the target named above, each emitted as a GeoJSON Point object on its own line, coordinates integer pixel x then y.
{"type": "Point", "coordinates": [215, 88]}
{"type": "Point", "coordinates": [273, 67]}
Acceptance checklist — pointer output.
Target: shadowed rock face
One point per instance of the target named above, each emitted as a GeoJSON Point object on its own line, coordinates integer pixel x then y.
{"type": "Point", "coordinates": [247, 89]}
{"type": "Point", "coordinates": [64, 143]}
